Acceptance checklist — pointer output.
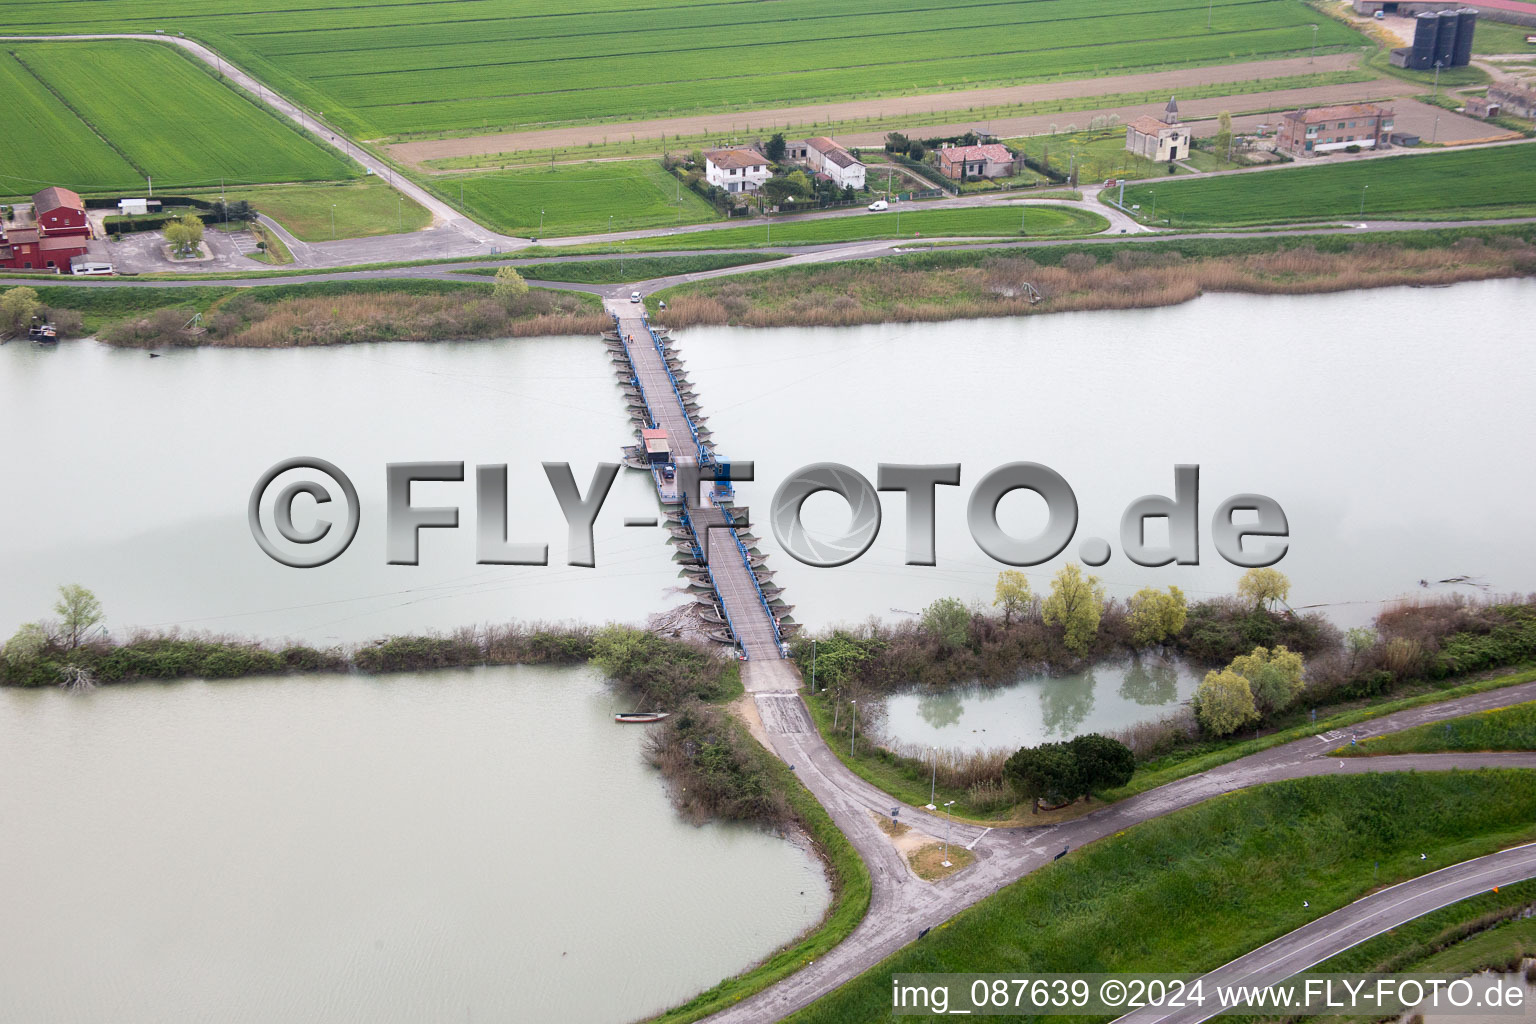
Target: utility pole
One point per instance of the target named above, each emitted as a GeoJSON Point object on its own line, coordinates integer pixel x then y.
{"type": "Point", "coordinates": [948, 814]}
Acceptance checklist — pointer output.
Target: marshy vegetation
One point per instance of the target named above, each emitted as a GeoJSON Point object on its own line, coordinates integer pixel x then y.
{"type": "Point", "coordinates": [989, 283]}
{"type": "Point", "coordinates": [331, 314]}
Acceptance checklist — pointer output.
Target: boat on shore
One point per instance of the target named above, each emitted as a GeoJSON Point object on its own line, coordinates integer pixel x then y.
{"type": "Point", "coordinates": [637, 717]}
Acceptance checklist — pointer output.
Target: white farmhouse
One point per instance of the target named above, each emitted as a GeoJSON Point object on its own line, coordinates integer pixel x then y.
{"type": "Point", "coordinates": [736, 170]}
{"type": "Point", "coordinates": [826, 157]}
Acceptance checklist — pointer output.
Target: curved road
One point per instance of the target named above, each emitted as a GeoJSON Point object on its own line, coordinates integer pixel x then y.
{"type": "Point", "coordinates": [901, 905]}
{"type": "Point", "coordinates": [1348, 926]}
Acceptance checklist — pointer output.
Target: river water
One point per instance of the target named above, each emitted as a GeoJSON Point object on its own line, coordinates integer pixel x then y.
{"type": "Point", "coordinates": [473, 845]}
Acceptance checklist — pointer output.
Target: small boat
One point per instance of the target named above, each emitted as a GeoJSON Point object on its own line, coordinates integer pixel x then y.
{"type": "Point", "coordinates": [631, 717]}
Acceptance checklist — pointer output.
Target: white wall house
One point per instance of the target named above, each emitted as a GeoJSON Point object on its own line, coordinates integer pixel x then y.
{"type": "Point", "coordinates": [826, 157]}
{"type": "Point", "coordinates": [736, 170]}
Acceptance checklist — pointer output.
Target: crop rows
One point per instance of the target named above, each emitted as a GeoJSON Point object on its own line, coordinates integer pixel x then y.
{"type": "Point", "coordinates": [386, 67]}
{"type": "Point", "coordinates": [155, 113]}
{"type": "Point", "coordinates": [1429, 185]}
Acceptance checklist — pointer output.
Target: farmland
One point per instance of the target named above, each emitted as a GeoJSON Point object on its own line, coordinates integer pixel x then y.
{"type": "Point", "coordinates": [1003, 221]}
{"type": "Point", "coordinates": [105, 115]}
{"type": "Point", "coordinates": [576, 198]}
{"type": "Point", "coordinates": [403, 69]}
{"type": "Point", "coordinates": [361, 209]}
{"type": "Point", "coordinates": [1491, 182]}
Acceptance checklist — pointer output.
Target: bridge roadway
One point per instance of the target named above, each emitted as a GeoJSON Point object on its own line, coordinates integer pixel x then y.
{"type": "Point", "coordinates": [734, 582]}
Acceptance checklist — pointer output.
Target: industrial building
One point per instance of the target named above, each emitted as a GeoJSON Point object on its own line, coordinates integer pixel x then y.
{"type": "Point", "coordinates": [1441, 39]}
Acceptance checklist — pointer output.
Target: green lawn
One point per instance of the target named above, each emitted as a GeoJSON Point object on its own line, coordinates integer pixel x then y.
{"type": "Point", "coordinates": [1040, 221]}
{"type": "Point", "coordinates": [362, 208]}
{"type": "Point", "coordinates": [1512, 728]}
{"type": "Point", "coordinates": [1100, 155]}
{"type": "Point", "coordinates": [381, 69]}
{"type": "Point", "coordinates": [1496, 37]}
{"type": "Point", "coordinates": [153, 113]}
{"type": "Point", "coordinates": [575, 199]}
{"type": "Point", "coordinates": [1196, 888]}
{"type": "Point", "coordinates": [1468, 183]}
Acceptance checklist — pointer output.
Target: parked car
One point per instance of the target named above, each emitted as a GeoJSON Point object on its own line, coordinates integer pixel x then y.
{"type": "Point", "coordinates": [879, 204]}
{"type": "Point", "coordinates": [634, 296]}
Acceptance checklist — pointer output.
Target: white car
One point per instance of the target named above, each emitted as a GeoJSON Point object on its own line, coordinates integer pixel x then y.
{"type": "Point", "coordinates": [634, 296]}
{"type": "Point", "coordinates": [879, 204]}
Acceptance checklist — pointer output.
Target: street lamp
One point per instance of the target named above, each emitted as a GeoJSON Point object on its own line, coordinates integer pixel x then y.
{"type": "Point", "coordinates": [854, 739]}
{"type": "Point", "coordinates": [933, 782]}
{"type": "Point", "coordinates": [947, 817]}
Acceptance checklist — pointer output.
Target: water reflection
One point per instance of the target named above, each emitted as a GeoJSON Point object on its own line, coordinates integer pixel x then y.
{"type": "Point", "coordinates": [1151, 681]}
{"type": "Point", "coordinates": [1066, 703]}
{"type": "Point", "coordinates": [1034, 709]}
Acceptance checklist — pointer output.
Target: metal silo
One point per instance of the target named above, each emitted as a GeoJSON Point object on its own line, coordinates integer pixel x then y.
{"type": "Point", "coordinates": [1466, 25]}
{"type": "Point", "coordinates": [1425, 27]}
{"type": "Point", "coordinates": [1445, 38]}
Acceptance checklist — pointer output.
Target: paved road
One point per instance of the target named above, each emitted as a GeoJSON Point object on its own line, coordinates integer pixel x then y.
{"type": "Point", "coordinates": [1348, 926]}
{"type": "Point", "coordinates": [901, 905]}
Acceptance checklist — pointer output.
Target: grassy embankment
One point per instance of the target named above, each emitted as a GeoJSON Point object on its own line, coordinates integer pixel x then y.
{"type": "Point", "coordinates": [944, 285]}
{"type": "Point", "coordinates": [1464, 184]}
{"type": "Point", "coordinates": [917, 222]}
{"type": "Point", "coordinates": [322, 313]}
{"type": "Point", "coordinates": [132, 117]}
{"type": "Point", "coordinates": [1191, 890]}
{"type": "Point", "coordinates": [619, 271]}
{"type": "Point", "coordinates": [1512, 728]}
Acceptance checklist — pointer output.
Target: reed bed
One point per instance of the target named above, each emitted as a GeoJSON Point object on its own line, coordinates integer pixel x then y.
{"type": "Point", "coordinates": [887, 291]}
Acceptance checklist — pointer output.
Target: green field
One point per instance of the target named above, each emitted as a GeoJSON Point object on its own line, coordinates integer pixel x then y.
{"type": "Point", "coordinates": [386, 69]}
{"type": "Point", "coordinates": [995, 221]}
{"type": "Point", "coordinates": [362, 208]}
{"type": "Point", "coordinates": [1496, 37]}
{"type": "Point", "coordinates": [105, 115]}
{"type": "Point", "coordinates": [1191, 890]}
{"type": "Point", "coordinates": [1469, 183]}
{"type": "Point", "coordinates": [1512, 728]}
{"type": "Point", "coordinates": [575, 199]}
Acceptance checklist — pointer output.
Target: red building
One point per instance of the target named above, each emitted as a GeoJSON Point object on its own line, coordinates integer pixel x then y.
{"type": "Point", "coordinates": [57, 234]}
{"type": "Point", "coordinates": [59, 211]}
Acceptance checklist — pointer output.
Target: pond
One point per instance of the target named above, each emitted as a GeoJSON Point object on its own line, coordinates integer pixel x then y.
{"type": "Point", "coordinates": [472, 845]}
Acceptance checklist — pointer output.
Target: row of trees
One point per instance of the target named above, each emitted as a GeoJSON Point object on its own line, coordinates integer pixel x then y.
{"type": "Point", "coordinates": [1062, 772]}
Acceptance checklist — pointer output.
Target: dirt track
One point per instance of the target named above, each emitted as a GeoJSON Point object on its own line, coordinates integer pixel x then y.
{"type": "Point", "coordinates": [1075, 91]}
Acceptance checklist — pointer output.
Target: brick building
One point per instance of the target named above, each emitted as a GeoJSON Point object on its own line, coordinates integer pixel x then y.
{"type": "Point", "coordinates": [1330, 129]}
